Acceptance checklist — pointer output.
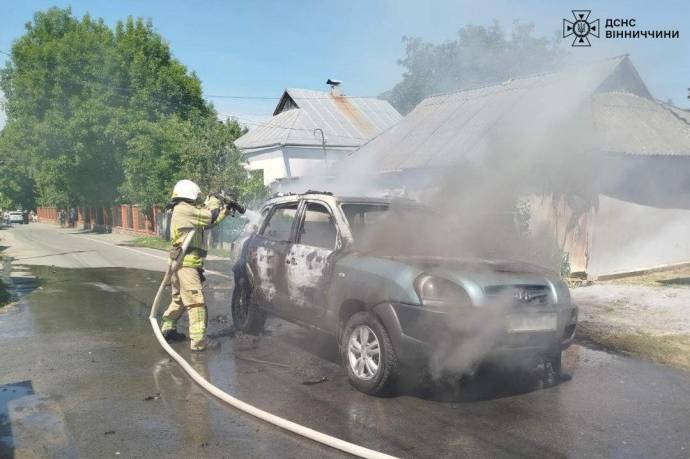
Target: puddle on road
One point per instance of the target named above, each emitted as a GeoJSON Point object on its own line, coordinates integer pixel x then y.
{"type": "Point", "coordinates": [80, 300]}
{"type": "Point", "coordinates": [103, 286]}
{"type": "Point", "coordinates": [8, 393]}
{"type": "Point", "coordinates": [32, 425]}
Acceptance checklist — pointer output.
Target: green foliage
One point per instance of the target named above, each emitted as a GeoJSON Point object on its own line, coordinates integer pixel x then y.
{"type": "Point", "coordinates": [96, 116]}
{"type": "Point", "coordinates": [480, 55]}
{"type": "Point", "coordinates": [16, 185]}
{"type": "Point", "coordinates": [201, 150]}
{"type": "Point", "coordinates": [5, 295]}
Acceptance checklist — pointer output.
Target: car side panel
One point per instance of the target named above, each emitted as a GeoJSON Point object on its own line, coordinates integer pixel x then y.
{"type": "Point", "coordinates": [369, 280]}
{"type": "Point", "coordinates": [265, 260]}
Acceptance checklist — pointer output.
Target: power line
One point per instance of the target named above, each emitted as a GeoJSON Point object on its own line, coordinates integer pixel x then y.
{"type": "Point", "coordinates": [87, 83]}
{"type": "Point", "coordinates": [210, 96]}
{"type": "Point", "coordinates": [221, 96]}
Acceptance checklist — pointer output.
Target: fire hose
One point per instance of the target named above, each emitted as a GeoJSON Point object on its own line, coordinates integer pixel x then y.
{"type": "Point", "coordinates": [293, 427]}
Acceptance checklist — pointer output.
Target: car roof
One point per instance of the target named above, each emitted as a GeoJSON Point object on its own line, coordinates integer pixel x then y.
{"type": "Point", "coordinates": [293, 197]}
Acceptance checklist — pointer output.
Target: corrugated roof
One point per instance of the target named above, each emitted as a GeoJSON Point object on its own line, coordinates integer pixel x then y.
{"type": "Point", "coordinates": [345, 121]}
{"type": "Point", "coordinates": [682, 113]}
{"type": "Point", "coordinates": [629, 124]}
{"type": "Point", "coordinates": [451, 128]}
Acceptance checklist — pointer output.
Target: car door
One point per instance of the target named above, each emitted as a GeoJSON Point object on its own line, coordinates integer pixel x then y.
{"type": "Point", "coordinates": [308, 261]}
{"type": "Point", "coordinates": [266, 256]}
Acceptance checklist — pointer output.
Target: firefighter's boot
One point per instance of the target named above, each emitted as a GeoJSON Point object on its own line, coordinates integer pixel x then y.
{"type": "Point", "coordinates": [174, 335]}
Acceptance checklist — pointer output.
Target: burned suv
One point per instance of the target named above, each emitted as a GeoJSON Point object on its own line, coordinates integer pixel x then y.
{"type": "Point", "coordinates": [333, 263]}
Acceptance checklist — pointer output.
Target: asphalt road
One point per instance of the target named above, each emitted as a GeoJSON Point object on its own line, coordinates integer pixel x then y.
{"type": "Point", "coordinates": [83, 375]}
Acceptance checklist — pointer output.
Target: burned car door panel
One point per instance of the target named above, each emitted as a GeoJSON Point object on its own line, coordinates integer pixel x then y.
{"type": "Point", "coordinates": [309, 261]}
{"type": "Point", "coordinates": [267, 253]}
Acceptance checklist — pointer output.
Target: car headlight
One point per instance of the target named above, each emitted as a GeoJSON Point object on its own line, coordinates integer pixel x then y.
{"type": "Point", "coordinates": [437, 292]}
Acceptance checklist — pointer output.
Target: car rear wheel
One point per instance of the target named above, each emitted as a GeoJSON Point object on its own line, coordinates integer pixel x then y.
{"type": "Point", "coordinates": [368, 354]}
{"type": "Point", "coordinates": [246, 317]}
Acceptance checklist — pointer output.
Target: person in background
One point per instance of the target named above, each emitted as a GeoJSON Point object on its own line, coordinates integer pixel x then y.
{"type": "Point", "coordinates": [73, 217]}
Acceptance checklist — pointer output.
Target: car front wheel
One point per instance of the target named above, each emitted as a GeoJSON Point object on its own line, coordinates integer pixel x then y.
{"type": "Point", "coordinates": [246, 317]}
{"type": "Point", "coordinates": [368, 354]}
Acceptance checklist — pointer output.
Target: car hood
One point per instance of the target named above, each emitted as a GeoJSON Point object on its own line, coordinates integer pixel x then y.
{"type": "Point", "coordinates": [480, 271]}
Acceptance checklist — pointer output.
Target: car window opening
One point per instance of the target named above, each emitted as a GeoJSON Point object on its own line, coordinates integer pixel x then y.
{"type": "Point", "coordinates": [318, 229]}
{"type": "Point", "coordinates": [279, 224]}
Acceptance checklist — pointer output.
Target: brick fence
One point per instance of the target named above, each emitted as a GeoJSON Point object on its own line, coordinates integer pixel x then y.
{"type": "Point", "coordinates": [125, 218]}
{"type": "Point", "coordinates": [130, 219]}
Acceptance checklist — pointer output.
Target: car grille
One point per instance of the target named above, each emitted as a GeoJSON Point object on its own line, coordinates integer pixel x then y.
{"type": "Point", "coordinates": [521, 295]}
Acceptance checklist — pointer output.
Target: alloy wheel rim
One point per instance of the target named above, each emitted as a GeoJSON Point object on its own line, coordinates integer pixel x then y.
{"type": "Point", "coordinates": [243, 304]}
{"type": "Point", "coordinates": [364, 352]}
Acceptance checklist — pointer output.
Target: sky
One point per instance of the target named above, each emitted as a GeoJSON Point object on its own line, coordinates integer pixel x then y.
{"type": "Point", "coordinates": [258, 48]}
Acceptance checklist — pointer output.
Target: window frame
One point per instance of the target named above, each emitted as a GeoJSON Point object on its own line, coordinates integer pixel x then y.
{"type": "Point", "coordinates": [302, 217]}
{"type": "Point", "coordinates": [272, 212]}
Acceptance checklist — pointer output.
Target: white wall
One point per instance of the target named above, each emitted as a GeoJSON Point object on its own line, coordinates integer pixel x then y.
{"type": "Point", "coordinates": [306, 161]}
{"type": "Point", "coordinates": [628, 237]}
{"type": "Point", "coordinates": [271, 162]}
{"type": "Point", "coordinates": [301, 161]}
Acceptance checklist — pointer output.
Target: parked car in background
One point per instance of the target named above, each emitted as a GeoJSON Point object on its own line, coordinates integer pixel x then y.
{"type": "Point", "coordinates": [16, 216]}
{"type": "Point", "coordinates": [389, 307]}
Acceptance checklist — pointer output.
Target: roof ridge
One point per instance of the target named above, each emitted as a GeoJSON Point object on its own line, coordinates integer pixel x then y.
{"type": "Point", "coordinates": [521, 78]}
{"type": "Point", "coordinates": [327, 95]}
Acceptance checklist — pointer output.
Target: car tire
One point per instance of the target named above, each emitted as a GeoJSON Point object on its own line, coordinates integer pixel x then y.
{"type": "Point", "coordinates": [552, 369]}
{"type": "Point", "coordinates": [246, 317]}
{"type": "Point", "coordinates": [364, 326]}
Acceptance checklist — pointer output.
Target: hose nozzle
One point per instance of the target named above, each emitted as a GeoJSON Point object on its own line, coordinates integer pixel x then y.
{"type": "Point", "coordinates": [236, 207]}
{"type": "Point", "coordinates": [230, 203]}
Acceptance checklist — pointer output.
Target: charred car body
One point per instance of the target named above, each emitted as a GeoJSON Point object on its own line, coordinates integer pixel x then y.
{"type": "Point", "coordinates": [391, 311]}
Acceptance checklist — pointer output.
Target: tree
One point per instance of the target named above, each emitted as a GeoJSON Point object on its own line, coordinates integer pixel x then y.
{"type": "Point", "coordinates": [480, 55]}
{"type": "Point", "coordinates": [101, 115]}
{"type": "Point", "coordinates": [16, 184]}
{"type": "Point", "coordinates": [59, 115]}
{"type": "Point", "coordinates": [200, 149]}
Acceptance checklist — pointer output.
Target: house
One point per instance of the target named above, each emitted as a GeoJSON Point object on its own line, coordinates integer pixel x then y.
{"type": "Point", "coordinates": [311, 130]}
{"type": "Point", "coordinates": [638, 147]}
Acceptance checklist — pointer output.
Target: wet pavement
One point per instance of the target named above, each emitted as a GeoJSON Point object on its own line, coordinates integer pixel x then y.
{"type": "Point", "coordinates": [81, 367]}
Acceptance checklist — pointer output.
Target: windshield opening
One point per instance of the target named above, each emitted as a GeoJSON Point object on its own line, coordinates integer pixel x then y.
{"type": "Point", "coordinates": [406, 229]}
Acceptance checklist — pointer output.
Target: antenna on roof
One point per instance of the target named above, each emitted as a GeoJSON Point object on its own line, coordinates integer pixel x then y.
{"type": "Point", "coordinates": [334, 86]}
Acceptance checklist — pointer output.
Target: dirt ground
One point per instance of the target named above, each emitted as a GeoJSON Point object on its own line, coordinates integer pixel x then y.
{"type": "Point", "coordinates": [646, 315]}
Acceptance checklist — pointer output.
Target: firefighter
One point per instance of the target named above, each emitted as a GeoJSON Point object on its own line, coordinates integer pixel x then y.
{"type": "Point", "coordinates": [186, 282]}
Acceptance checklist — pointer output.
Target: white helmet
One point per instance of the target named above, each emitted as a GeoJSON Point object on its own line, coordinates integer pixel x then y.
{"type": "Point", "coordinates": [186, 189]}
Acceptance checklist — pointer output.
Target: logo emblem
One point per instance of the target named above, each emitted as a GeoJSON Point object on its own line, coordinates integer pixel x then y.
{"type": "Point", "coordinates": [582, 28]}
{"type": "Point", "coordinates": [523, 295]}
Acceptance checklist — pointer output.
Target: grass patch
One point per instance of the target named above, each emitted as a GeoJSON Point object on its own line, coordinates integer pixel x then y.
{"type": "Point", "coordinates": [5, 296]}
{"type": "Point", "coordinates": [155, 242]}
{"type": "Point", "coordinates": [679, 277]}
{"type": "Point", "coordinates": [152, 242]}
{"type": "Point", "coordinates": [671, 349]}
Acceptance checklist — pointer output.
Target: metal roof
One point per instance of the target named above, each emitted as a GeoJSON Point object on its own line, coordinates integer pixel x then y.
{"type": "Point", "coordinates": [629, 124]}
{"type": "Point", "coordinates": [345, 121]}
{"type": "Point", "coordinates": [451, 128]}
